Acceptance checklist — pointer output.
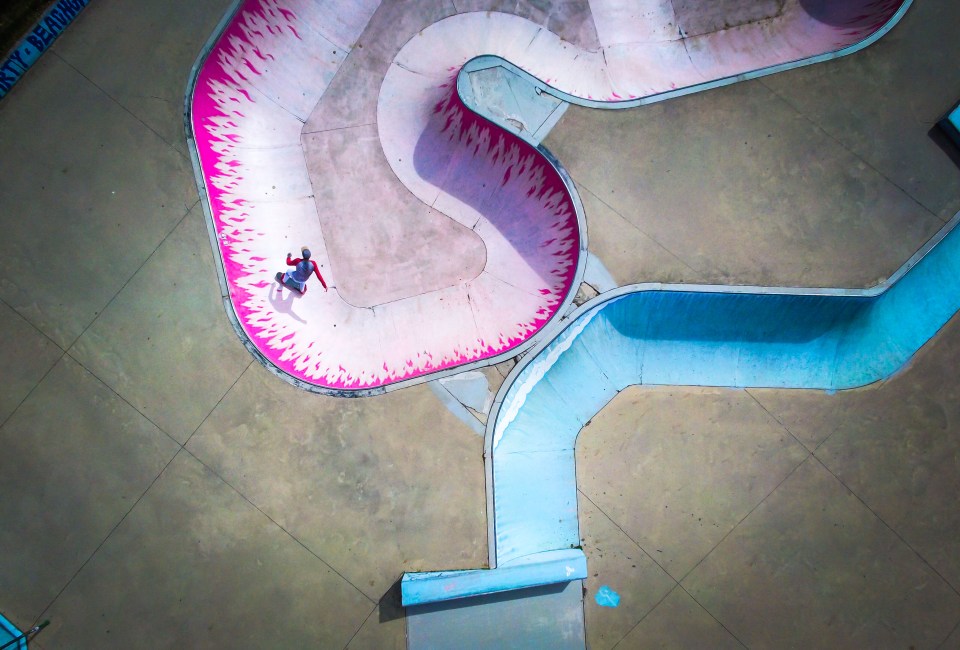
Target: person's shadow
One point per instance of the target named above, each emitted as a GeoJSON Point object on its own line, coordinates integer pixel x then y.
{"type": "Point", "coordinates": [283, 299]}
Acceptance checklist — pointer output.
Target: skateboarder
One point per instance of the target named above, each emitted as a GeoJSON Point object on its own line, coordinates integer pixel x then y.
{"type": "Point", "coordinates": [304, 267]}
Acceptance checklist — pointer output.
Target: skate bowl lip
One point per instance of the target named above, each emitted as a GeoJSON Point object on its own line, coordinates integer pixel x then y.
{"type": "Point", "coordinates": [546, 158]}
{"type": "Point", "coordinates": [562, 314]}
{"type": "Point", "coordinates": [484, 61]}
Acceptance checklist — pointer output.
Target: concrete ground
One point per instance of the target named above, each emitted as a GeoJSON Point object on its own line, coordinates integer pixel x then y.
{"type": "Point", "coordinates": [160, 488]}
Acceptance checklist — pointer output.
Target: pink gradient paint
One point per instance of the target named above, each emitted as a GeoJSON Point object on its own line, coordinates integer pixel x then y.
{"type": "Point", "coordinates": [271, 65]}
{"type": "Point", "coordinates": [475, 321]}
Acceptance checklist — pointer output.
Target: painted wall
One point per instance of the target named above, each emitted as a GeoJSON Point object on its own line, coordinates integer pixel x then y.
{"type": "Point", "coordinates": [689, 335]}
{"type": "Point", "coordinates": [696, 336]}
{"type": "Point", "coordinates": [258, 84]}
{"type": "Point", "coordinates": [37, 40]}
{"type": "Point", "coordinates": [274, 60]}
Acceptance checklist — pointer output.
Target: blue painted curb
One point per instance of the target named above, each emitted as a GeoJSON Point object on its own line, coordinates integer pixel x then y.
{"type": "Point", "coordinates": [547, 568]}
{"type": "Point", "coordinates": [30, 48]}
{"type": "Point", "coordinates": [10, 634]}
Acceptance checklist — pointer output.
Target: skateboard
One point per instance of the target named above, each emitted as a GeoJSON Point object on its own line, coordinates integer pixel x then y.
{"type": "Point", "coordinates": [288, 284]}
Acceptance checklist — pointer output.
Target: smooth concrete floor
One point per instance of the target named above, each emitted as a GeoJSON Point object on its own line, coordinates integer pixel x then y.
{"type": "Point", "coordinates": [158, 488]}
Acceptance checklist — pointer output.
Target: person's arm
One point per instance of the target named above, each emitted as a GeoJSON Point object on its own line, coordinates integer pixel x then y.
{"type": "Point", "coordinates": [292, 262]}
{"type": "Point", "coordinates": [316, 269]}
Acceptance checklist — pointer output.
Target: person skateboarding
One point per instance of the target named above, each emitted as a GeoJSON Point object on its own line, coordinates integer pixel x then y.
{"type": "Point", "coordinates": [304, 267]}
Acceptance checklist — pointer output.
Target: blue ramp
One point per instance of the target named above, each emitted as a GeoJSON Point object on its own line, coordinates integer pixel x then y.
{"type": "Point", "coordinates": [740, 337]}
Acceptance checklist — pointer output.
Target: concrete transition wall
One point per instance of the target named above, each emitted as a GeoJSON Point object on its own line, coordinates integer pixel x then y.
{"type": "Point", "coordinates": [250, 98]}
{"type": "Point", "coordinates": [696, 335]}
{"type": "Point", "coordinates": [272, 62]}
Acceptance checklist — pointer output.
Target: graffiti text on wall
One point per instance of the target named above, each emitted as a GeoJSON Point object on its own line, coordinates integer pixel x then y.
{"type": "Point", "coordinates": [37, 40]}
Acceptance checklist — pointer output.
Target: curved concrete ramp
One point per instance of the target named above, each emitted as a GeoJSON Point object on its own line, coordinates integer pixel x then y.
{"type": "Point", "coordinates": [743, 337]}
{"type": "Point", "coordinates": [256, 88]}
{"type": "Point", "coordinates": [499, 206]}
{"type": "Point", "coordinates": [721, 336]}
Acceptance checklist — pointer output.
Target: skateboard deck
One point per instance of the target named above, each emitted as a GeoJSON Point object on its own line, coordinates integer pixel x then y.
{"type": "Point", "coordinates": [287, 283]}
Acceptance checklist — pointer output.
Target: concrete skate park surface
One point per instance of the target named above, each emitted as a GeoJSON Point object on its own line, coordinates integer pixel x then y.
{"type": "Point", "coordinates": [450, 159]}
{"type": "Point", "coordinates": [236, 502]}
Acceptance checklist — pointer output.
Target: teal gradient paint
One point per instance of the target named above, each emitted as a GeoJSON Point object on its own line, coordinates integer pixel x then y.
{"type": "Point", "coordinates": [535, 570]}
{"type": "Point", "coordinates": [950, 124]}
{"type": "Point", "coordinates": [653, 334]}
{"type": "Point", "coordinates": [607, 597]}
{"type": "Point", "coordinates": [695, 336]}
{"type": "Point", "coordinates": [735, 337]}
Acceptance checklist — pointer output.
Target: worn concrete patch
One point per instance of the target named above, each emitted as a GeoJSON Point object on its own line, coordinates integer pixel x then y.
{"type": "Point", "coordinates": [195, 565]}
{"type": "Point", "coordinates": [24, 362]}
{"type": "Point", "coordinates": [75, 459]}
{"type": "Point", "coordinates": [677, 468]}
{"type": "Point", "coordinates": [92, 194]}
{"type": "Point", "coordinates": [165, 343]}
{"type": "Point", "coordinates": [372, 493]}
{"type": "Point", "coordinates": [817, 567]}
